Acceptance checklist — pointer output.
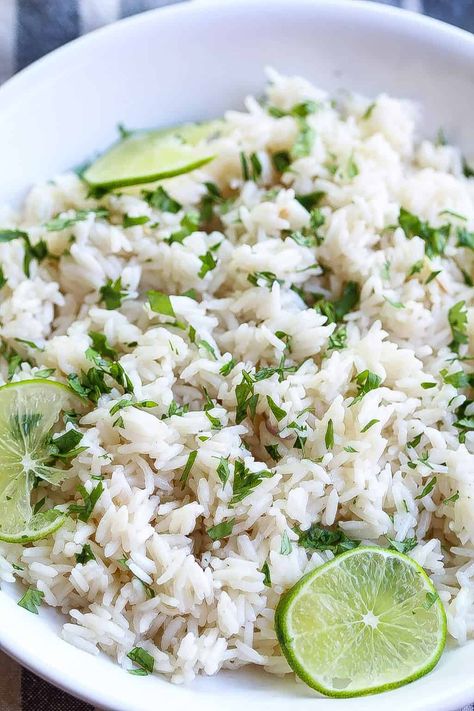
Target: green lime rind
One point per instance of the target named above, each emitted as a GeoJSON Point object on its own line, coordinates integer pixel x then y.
{"type": "Point", "coordinates": [40, 526]}
{"type": "Point", "coordinates": [29, 410]}
{"type": "Point", "coordinates": [320, 629]}
{"type": "Point", "coordinates": [147, 156]}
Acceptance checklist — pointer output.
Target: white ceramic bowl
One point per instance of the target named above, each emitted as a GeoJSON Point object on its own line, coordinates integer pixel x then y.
{"type": "Point", "coordinates": [192, 61]}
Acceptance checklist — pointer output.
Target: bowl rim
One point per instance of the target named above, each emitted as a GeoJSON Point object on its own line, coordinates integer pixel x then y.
{"type": "Point", "coordinates": [15, 86]}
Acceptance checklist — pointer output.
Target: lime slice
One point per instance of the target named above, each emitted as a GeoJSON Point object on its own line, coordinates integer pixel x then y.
{"type": "Point", "coordinates": [145, 157]}
{"type": "Point", "coordinates": [28, 411]}
{"type": "Point", "coordinates": [367, 621]}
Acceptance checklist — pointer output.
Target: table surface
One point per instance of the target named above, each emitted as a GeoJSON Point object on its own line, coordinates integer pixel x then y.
{"type": "Point", "coordinates": [28, 30]}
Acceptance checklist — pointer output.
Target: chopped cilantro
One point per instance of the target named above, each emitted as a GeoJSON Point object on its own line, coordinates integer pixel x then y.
{"type": "Point", "coordinates": [36, 251]}
{"type": "Point", "coordinates": [428, 488]}
{"type": "Point", "coordinates": [415, 268]}
{"type": "Point", "coordinates": [310, 200]}
{"type": "Point", "coordinates": [227, 367]}
{"type": "Point", "coordinates": [61, 223]}
{"type": "Point", "coordinates": [189, 224]}
{"type": "Point", "coordinates": [451, 499]}
{"type": "Point", "coordinates": [278, 412]}
{"type": "Point", "coordinates": [66, 444]}
{"type": "Point", "coordinates": [207, 347]}
{"type": "Point", "coordinates": [366, 381]}
{"type": "Point", "coordinates": [465, 238]}
{"type": "Point", "coordinates": [428, 386]}
{"type": "Point", "coordinates": [304, 140]}
{"type": "Point", "coordinates": [245, 397]}
{"type": "Point", "coordinates": [460, 379]}
{"type": "Point", "coordinates": [208, 263]}
{"type": "Point", "coordinates": [31, 600]}
{"type": "Point", "coordinates": [432, 276]}
{"type": "Point", "coordinates": [143, 659]}
{"type": "Point", "coordinates": [329, 436]}
{"type": "Point", "coordinates": [85, 555]}
{"type": "Point", "coordinates": [267, 580]}
{"type": "Point", "coordinates": [245, 481]}
{"type": "Point", "coordinates": [160, 303]}
{"type": "Point", "coordinates": [435, 238]}
{"type": "Point", "coordinates": [272, 450]}
{"type": "Point", "coordinates": [457, 318]}
{"type": "Point", "coordinates": [404, 546]}
{"type": "Point", "coordinates": [223, 471]}
{"type": "Point", "coordinates": [130, 221]}
{"type": "Point", "coordinates": [188, 466]}
{"type": "Point", "coordinates": [352, 168]}
{"type": "Point", "coordinates": [268, 278]}
{"type": "Point", "coordinates": [84, 511]}
{"type": "Point", "coordinates": [112, 293]}
{"type": "Point", "coordinates": [221, 530]}
{"type": "Point", "coordinates": [395, 304]}
{"type": "Point", "coordinates": [368, 112]}
{"type": "Point", "coordinates": [323, 539]}
{"type": "Point", "coordinates": [160, 200]}
{"type": "Point", "coordinates": [101, 345]}
{"type": "Point", "coordinates": [281, 161]}
{"type": "Point", "coordinates": [369, 424]}
{"type": "Point", "coordinates": [338, 338]}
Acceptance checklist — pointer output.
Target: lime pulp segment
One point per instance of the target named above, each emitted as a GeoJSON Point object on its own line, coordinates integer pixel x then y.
{"type": "Point", "coordinates": [28, 411]}
{"type": "Point", "coordinates": [147, 156]}
{"type": "Point", "coordinates": [366, 621]}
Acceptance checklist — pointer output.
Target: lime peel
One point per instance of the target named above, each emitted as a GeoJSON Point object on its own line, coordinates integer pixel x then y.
{"type": "Point", "coordinates": [367, 621]}
{"type": "Point", "coordinates": [147, 156]}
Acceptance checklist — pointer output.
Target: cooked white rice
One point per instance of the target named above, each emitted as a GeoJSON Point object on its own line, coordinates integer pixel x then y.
{"type": "Point", "coordinates": [211, 607]}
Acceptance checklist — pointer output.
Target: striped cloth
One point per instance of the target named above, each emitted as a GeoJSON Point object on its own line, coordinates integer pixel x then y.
{"type": "Point", "coordinates": [29, 29]}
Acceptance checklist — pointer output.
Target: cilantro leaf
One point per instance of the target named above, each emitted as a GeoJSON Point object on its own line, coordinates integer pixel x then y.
{"type": "Point", "coordinates": [323, 539]}
{"type": "Point", "coordinates": [31, 600]}
{"type": "Point", "coordinates": [428, 488]}
{"type": "Point", "coordinates": [142, 658]}
{"type": "Point", "coordinates": [457, 318]}
{"type": "Point", "coordinates": [61, 223]}
{"type": "Point", "coordinates": [267, 277]}
{"type": "Point", "coordinates": [227, 367]}
{"type": "Point", "coordinates": [208, 263]}
{"type": "Point", "coordinates": [366, 381]}
{"type": "Point", "coordinates": [160, 200]}
{"type": "Point", "coordinates": [223, 470]}
{"type": "Point", "coordinates": [188, 466]}
{"type": "Point", "coordinates": [267, 580]}
{"type": "Point", "coordinates": [245, 481]}
{"type": "Point", "coordinates": [435, 238]}
{"type": "Point", "coordinates": [272, 450]}
{"type": "Point", "coordinates": [130, 221]}
{"type": "Point", "coordinates": [281, 161]}
{"type": "Point", "coordinates": [404, 546]}
{"type": "Point", "coordinates": [112, 293]}
{"type": "Point", "coordinates": [85, 555]}
{"type": "Point", "coordinates": [160, 303]}
{"type": "Point", "coordinates": [329, 436]}
{"type": "Point", "coordinates": [278, 412]}
{"type": "Point", "coordinates": [101, 345]}
{"type": "Point", "coordinates": [221, 530]}
{"type": "Point", "coordinates": [84, 511]}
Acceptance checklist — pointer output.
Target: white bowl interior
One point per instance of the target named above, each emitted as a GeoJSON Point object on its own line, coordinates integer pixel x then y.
{"type": "Point", "coordinates": [192, 61]}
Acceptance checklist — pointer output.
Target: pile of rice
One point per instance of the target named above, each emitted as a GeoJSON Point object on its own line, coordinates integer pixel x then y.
{"type": "Point", "coordinates": [157, 580]}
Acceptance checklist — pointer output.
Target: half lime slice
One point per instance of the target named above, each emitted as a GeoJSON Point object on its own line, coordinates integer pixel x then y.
{"type": "Point", "coordinates": [28, 411]}
{"type": "Point", "coordinates": [147, 156]}
{"type": "Point", "coordinates": [367, 621]}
